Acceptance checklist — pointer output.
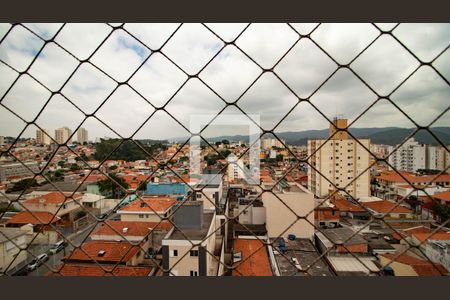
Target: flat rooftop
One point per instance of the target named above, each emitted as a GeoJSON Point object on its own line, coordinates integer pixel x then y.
{"type": "Point", "coordinates": [377, 242]}
{"type": "Point", "coordinates": [339, 235]}
{"type": "Point", "coordinates": [193, 234]}
{"type": "Point", "coordinates": [345, 265]}
{"type": "Point", "coordinates": [304, 252]}
{"type": "Point", "coordinates": [250, 229]}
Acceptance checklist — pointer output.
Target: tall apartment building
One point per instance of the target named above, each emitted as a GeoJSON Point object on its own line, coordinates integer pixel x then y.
{"type": "Point", "coordinates": [235, 169]}
{"type": "Point", "coordinates": [42, 137]}
{"type": "Point", "coordinates": [62, 135]}
{"type": "Point", "coordinates": [2, 140]}
{"type": "Point", "coordinates": [340, 160]}
{"type": "Point", "coordinates": [269, 143]}
{"type": "Point", "coordinates": [82, 135]}
{"type": "Point", "coordinates": [437, 158]}
{"type": "Point", "coordinates": [412, 156]}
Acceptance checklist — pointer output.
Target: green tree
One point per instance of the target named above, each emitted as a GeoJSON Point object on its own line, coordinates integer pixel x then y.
{"type": "Point", "coordinates": [442, 211]}
{"type": "Point", "coordinates": [22, 185]}
{"type": "Point", "coordinates": [58, 175]}
{"type": "Point", "coordinates": [128, 150]}
{"type": "Point", "coordinates": [61, 163]}
{"type": "Point", "coordinates": [74, 167]}
{"type": "Point", "coordinates": [225, 142]}
{"type": "Point", "coordinates": [108, 186]}
{"type": "Point", "coordinates": [280, 157]}
{"type": "Point", "coordinates": [225, 153]}
{"type": "Point", "coordinates": [142, 186]}
{"type": "Point", "coordinates": [83, 156]}
{"type": "Point", "coordinates": [4, 208]}
{"type": "Point", "coordinates": [218, 143]}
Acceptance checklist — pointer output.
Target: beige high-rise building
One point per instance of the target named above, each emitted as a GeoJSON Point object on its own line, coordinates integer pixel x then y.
{"type": "Point", "coordinates": [340, 160]}
{"type": "Point", "coordinates": [42, 137]}
{"type": "Point", "coordinates": [62, 135]}
{"type": "Point", "coordinates": [82, 135]}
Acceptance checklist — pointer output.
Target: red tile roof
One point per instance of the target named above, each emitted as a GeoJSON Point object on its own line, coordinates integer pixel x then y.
{"type": "Point", "coordinates": [114, 251]}
{"type": "Point", "coordinates": [255, 260]}
{"type": "Point", "coordinates": [52, 198]}
{"type": "Point", "coordinates": [445, 196]}
{"type": "Point", "coordinates": [385, 206]}
{"type": "Point", "coordinates": [345, 205]}
{"type": "Point", "coordinates": [94, 178]}
{"type": "Point", "coordinates": [134, 180]}
{"type": "Point", "coordinates": [35, 218]}
{"type": "Point", "coordinates": [134, 228]}
{"type": "Point", "coordinates": [437, 236]}
{"type": "Point", "coordinates": [158, 204]}
{"type": "Point", "coordinates": [95, 270]}
{"type": "Point", "coordinates": [393, 176]}
{"type": "Point", "coordinates": [409, 231]}
{"type": "Point", "coordinates": [421, 267]}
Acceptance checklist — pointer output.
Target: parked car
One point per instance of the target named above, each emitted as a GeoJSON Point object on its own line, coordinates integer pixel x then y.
{"type": "Point", "coordinates": [37, 262]}
{"type": "Point", "coordinates": [57, 247]}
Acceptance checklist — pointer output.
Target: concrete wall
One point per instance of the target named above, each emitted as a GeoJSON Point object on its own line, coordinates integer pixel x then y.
{"type": "Point", "coordinates": [279, 217]}
{"type": "Point", "coordinates": [8, 251]}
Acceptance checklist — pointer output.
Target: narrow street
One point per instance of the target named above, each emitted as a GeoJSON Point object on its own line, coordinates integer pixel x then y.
{"type": "Point", "coordinates": [55, 260]}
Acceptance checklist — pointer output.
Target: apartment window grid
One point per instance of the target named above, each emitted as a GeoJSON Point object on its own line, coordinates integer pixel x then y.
{"type": "Point", "coordinates": [161, 50]}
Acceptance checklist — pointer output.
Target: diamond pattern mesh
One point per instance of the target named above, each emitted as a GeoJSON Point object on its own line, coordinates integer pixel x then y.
{"type": "Point", "coordinates": [160, 64]}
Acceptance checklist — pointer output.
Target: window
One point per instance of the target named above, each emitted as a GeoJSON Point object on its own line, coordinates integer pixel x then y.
{"type": "Point", "coordinates": [141, 216]}
{"type": "Point", "coordinates": [199, 195]}
{"type": "Point", "coordinates": [333, 212]}
{"type": "Point", "coordinates": [194, 273]}
{"type": "Point", "coordinates": [173, 253]}
{"type": "Point", "coordinates": [193, 253]}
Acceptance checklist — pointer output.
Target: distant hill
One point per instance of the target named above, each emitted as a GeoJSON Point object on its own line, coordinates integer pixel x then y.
{"type": "Point", "coordinates": [385, 135]}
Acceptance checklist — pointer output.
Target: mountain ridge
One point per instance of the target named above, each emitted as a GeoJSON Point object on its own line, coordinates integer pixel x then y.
{"type": "Point", "coordinates": [377, 135]}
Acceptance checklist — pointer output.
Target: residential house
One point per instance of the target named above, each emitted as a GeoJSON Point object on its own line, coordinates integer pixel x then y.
{"type": "Point", "coordinates": [149, 209]}
{"type": "Point", "coordinates": [194, 226]}
{"type": "Point", "coordinates": [56, 203]}
{"type": "Point", "coordinates": [407, 265]}
{"type": "Point", "coordinates": [107, 252]}
{"type": "Point", "coordinates": [388, 209]}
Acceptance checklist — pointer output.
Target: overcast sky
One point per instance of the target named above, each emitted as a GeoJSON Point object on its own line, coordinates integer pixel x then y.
{"type": "Point", "coordinates": [383, 66]}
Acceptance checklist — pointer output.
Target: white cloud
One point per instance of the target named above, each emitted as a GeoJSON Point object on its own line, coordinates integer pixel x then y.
{"type": "Point", "coordinates": [384, 65]}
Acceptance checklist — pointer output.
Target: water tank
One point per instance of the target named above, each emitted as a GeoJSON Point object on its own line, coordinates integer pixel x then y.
{"type": "Point", "coordinates": [291, 237]}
